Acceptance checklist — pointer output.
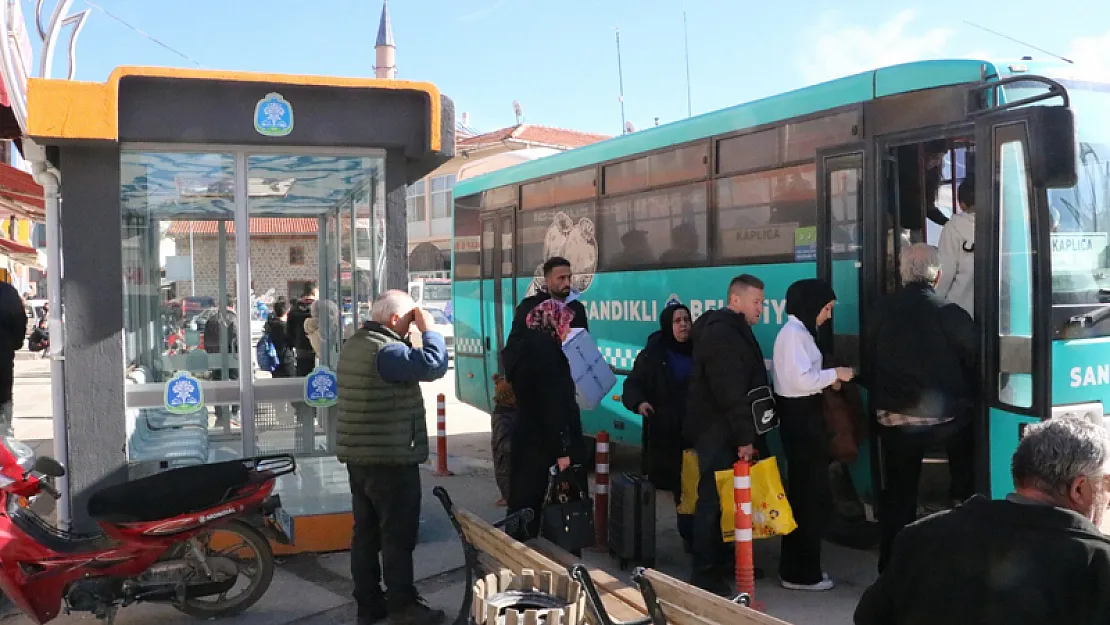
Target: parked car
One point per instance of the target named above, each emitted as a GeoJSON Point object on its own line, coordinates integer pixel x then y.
{"type": "Point", "coordinates": [444, 327]}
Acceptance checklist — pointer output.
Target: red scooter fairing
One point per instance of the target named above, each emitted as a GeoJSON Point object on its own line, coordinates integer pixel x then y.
{"type": "Point", "coordinates": [40, 565]}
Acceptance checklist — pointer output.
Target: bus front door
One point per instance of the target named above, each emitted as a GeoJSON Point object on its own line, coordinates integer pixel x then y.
{"type": "Point", "coordinates": [1012, 286]}
{"type": "Point", "coordinates": [840, 262]}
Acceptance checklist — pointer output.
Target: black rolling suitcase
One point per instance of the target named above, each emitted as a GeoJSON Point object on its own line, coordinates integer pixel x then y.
{"type": "Point", "coordinates": [632, 519]}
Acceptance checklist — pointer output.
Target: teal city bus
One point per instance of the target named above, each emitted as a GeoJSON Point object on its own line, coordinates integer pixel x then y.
{"type": "Point", "coordinates": [816, 182]}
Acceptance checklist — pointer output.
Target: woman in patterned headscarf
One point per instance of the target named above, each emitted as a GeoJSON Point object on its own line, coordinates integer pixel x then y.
{"type": "Point", "coordinates": [548, 429]}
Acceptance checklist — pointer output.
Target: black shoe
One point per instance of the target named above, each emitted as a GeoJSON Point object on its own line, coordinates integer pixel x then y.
{"type": "Point", "coordinates": [417, 613]}
{"type": "Point", "coordinates": [372, 614]}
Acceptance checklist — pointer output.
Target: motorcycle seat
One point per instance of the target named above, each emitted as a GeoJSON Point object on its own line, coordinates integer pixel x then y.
{"type": "Point", "coordinates": [169, 494]}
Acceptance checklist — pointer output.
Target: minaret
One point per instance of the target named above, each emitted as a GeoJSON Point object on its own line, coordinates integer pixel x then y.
{"type": "Point", "coordinates": [384, 50]}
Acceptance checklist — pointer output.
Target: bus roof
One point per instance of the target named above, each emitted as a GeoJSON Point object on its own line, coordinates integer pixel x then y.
{"type": "Point", "coordinates": [840, 92]}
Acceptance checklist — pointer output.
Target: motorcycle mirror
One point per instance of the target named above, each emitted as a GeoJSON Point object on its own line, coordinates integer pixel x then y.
{"type": "Point", "coordinates": [49, 467]}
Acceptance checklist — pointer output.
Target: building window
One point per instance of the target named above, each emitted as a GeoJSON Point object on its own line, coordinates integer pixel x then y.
{"type": "Point", "coordinates": [296, 254]}
{"type": "Point", "coordinates": [415, 207]}
{"type": "Point", "coordinates": [441, 196]}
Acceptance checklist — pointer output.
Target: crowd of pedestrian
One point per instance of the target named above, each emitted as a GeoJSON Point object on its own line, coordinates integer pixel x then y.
{"type": "Point", "coordinates": [705, 387]}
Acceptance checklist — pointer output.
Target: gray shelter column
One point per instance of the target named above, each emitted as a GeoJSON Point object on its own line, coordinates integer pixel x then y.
{"type": "Point", "coordinates": [94, 386]}
{"type": "Point", "coordinates": [396, 223]}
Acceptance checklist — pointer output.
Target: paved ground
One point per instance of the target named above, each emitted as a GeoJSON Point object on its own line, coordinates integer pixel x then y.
{"type": "Point", "coordinates": [315, 590]}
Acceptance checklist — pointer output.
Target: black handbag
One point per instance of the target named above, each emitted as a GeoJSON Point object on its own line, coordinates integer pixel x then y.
{"type": "Point", "coordinates": [567, 521]}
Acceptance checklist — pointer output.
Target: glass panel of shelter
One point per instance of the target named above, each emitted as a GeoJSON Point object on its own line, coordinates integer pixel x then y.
{"type": "Point", "coordinates": [316, 223]}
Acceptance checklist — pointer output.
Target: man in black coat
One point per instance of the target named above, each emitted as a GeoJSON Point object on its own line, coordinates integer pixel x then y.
{"type": "Point", "coordinates": [924, 356]}
{"type": "Point", "coordinates": [557, 277]}
{"type": "Point", "coordinates": [13, 330]}
{"type": "Point", "coordinates": [1036, 557]}
{"type": "Point", "coordinates": [294, 330]}
{"type": "Point", "coordinates": [728, 363]}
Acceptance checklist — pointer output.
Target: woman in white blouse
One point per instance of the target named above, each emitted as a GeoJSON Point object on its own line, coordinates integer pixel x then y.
{"type": "Point", "coordinates": [799, 380]}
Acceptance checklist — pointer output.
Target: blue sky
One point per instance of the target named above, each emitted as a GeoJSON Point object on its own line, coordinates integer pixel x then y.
{"type": "Point", "coordinates": [558, 57]}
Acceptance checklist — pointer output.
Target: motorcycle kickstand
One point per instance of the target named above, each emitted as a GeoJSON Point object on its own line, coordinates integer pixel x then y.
{"type": "Point", "coordinates": [109, 617]}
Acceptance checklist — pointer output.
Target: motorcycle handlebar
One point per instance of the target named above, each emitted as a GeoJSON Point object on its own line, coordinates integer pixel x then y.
{"type": "Point", "coordinates": [49, 489]}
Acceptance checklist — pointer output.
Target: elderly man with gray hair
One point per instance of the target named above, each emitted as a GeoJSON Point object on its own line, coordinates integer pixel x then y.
{"type": "Point", "coordinates": [1037, 556]}
{"type": "Point", "coordinates": [924, 373]}
{"type": "Point", "coordinates": [382, 438]}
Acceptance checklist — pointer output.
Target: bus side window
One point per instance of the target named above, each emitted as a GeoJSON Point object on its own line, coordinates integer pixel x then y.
{"type": "Point", "coordinates": [1015, 268]}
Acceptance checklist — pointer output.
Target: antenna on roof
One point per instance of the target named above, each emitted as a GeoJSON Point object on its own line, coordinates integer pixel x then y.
{"type": "Point", "coordinates": [686, 37]}
{"type": "Point", "coordinates": [1016, 40]}
{"type": "Point", "coordinates": [620, 77]}
{"type": "Point", "coordinates": [518, 110]}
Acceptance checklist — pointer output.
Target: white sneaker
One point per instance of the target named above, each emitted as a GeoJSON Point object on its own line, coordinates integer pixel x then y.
{"type": "Point", "coordinates": [823, 585]}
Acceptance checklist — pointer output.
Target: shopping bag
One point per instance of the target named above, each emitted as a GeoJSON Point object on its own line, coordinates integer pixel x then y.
{"type": "Point", "coordinates": [771, 512]}
{"type": "Point", "coordinates": [689, 479]}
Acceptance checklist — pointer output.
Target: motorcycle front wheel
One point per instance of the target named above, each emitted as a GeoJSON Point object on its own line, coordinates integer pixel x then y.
{"type": "Point", "coordinates": [253, 560]}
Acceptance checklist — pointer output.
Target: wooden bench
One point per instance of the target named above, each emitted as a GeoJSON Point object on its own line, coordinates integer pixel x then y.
{"type": "Point", "coordinates": [673, 601]}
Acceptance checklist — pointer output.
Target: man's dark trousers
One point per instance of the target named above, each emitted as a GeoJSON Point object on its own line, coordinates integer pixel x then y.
{"type": "Point", "coordinates": [708, 572]}
{"type": "Point", "coordinates": [386, 507]}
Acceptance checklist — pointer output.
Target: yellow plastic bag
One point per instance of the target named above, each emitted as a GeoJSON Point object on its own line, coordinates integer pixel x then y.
{"type": "Point", "coordinates": [771, 512]}
{"type": "Point", "coordinates": [689, 482]}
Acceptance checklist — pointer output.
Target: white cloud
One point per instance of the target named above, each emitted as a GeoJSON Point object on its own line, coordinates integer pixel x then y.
{"type": "Point", "coordinates": [837, 49]}
{"type": "Point", "coordinates": [1091, 51]}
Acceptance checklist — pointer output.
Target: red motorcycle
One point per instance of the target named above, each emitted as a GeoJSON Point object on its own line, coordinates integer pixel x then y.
{"type": "Point", "coordinates": [188, 537]}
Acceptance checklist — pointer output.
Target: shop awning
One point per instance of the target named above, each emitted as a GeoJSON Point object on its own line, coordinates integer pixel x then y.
{"type": "Point", "coordinates": [20, 195]}
{"type": "Point", "coordinates": [23, 254]}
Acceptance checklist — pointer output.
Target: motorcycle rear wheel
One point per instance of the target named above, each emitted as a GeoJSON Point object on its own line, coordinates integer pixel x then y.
{"type": "Point", "coordinates": [206, 608]}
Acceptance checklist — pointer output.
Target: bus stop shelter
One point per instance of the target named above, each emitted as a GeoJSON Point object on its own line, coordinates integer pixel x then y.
{"type": "Point", "coordinates": [187, 196]}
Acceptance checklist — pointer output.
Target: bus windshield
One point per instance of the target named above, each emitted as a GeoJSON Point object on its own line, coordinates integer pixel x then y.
{"type": "Point", "coordinates": [1081, 214]}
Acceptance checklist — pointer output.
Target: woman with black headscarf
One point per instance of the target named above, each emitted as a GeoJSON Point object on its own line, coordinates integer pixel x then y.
{"type": "Point", "coordinates": [656, 390]}
{"type": "Point", "coordinates": [799, 381]}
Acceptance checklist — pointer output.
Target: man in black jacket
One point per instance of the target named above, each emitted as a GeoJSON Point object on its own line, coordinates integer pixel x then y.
{"type": "Point", "coordinates": [294, 328]}
{"type": "Point", "coordinates": [556, 275]}
{"type": "Point", "coordinates": [1036, 557]}
{"type": "Point", "coordinates": [728, 363]}
{"type": "Point", "coordinates": [13, 330]}
{"type": "Point", "coordinates": [924, 356]}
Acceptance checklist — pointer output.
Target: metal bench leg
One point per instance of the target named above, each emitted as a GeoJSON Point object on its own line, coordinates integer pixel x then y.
{"type": "Point", "coordinates": [651, 600]}
{"type": "Point", "coordinates": [581, 575]}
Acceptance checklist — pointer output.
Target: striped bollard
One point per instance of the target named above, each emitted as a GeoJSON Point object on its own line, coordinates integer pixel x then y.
{"type": "Point", "coordinates": [441, 437]}
{"type": "Point", "coordinates": [601, 491]}
{"type": "Point", "coordinates": [742, 503]}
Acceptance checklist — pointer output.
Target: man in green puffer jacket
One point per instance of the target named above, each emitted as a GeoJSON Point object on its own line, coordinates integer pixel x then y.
{"type": "Point", "coordinates": [382, 438]}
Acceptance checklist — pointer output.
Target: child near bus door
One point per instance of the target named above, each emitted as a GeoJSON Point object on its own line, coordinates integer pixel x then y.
{"type": "Point", "coordinates": [799, 381]}
{"type": "Point", "coordinates": [656, 390]}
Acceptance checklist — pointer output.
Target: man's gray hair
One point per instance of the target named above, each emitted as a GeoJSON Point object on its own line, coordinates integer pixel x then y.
{"type": "Point", "coordinates": [1055, 452]}
{"type": "Point", "coordinates": [391, 303]}
{"type": "Point", "coordinates": [920, 263]}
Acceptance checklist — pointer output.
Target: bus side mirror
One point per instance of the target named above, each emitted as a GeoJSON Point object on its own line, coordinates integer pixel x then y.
{"type": "Point", "coordinates": [1053, 147]}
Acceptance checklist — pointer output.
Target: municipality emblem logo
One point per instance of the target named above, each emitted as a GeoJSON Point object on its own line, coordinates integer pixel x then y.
{"type": "Point", "coordinates": [273, 116]}
{"type": "Point", "coordinates": [673, 300]}
{"type": "Point", "coordinates": [183, 394]}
